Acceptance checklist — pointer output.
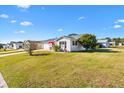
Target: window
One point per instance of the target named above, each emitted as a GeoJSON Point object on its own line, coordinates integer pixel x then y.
{"type": "Point", "coordinates": [74, 43]}
{"type": "Point", "coordinates": [62, 43]}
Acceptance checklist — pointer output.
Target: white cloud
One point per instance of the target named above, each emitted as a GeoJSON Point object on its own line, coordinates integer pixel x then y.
{"type": "Point", "coordinates": [23, 6]}
{"type": "Point", "coordinates": [4, 16]}
{"type": "Point", "coordinates": [13, 21]}
{"type": "Point", "coordinates": [117, 26]}
{"type": "Point", "coordinates": [20, 32]}
{"type": "Point", "coordinates": [60, 29]}
{"type": "Point", "coordinates": [26, 23]}
{"type": "Point", "coordinates": [81, 18]}
{"type": "Point", "coordinates": [120, 20]}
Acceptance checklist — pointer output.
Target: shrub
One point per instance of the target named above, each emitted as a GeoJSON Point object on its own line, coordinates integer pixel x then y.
{"type": "Point", "coordinates": [56, 48]}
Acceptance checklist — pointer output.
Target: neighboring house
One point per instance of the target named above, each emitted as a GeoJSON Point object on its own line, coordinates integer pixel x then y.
{"type": "Point", "coordinates": [39, 44]}
{"type": "Point", "coordinates": [47, 44]}
{"type": "Point", "coordinates": [104, 43]}
{"type": "Point", "coordinates": [15, 45]}
{"type": "Point", "coordinates": [120, 44]}
{"type": "Point", "coordinates": [69, 43]}
{"type": "Point", "coordinates": [4, 46]}
{"type": "Point", "coordinates": [112, 44]}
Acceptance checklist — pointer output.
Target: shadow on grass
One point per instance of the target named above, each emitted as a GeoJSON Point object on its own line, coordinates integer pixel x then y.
{"type": "Point", "coordinates": [99, 50]}
{"type": "Point", "coordinates": [41, 54]}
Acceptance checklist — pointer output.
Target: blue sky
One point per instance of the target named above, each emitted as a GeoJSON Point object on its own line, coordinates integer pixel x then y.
{"type": "Point", "coordinates": [43, 22]}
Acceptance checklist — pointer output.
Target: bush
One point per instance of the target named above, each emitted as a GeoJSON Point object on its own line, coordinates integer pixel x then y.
{"type": "Point", "coordinates": [88, 41]}
{"type": "Point", "coordinates": [98, 46]}
{"type": "Point", "coordinates": [56, 48]}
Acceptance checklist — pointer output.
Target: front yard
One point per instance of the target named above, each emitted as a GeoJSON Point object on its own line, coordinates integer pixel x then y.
{"type": "Point", "coordinates": [77, 69]}
{"type": "Point", "coordinates": [9, 51]}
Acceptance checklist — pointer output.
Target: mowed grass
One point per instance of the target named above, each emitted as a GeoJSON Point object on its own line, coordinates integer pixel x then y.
{"type": "Point", "coordinates": [8, 51]}
{"type": "Point", "coordinates": [77, 69]}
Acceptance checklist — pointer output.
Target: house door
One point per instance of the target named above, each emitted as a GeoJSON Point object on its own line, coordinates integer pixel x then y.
{"type": "Point", "coordinates": [63, 45]}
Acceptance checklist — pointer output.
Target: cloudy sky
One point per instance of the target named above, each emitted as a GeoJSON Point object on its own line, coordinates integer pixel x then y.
{"type": "Point", "coordinates": [24, 22]}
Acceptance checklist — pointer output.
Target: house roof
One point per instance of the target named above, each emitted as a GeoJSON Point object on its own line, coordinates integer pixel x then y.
{"type": "Point", "coordinates": [15, 42]}
{"type": "Point", "coordinates": [102, 40]}
{"type": "Point", "coordinates": [49, 40]}
{"type": "Point", "coordinates": [70, 37]}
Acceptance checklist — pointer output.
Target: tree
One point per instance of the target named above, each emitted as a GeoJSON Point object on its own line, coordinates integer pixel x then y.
{"type": "Point", "coordinates": [29, 46]}
{"type": "Point", "coordinates": [116, 40]}
{"type": "Point", "coordinates": [88, 41]}
{"type": "Point", "coordinates": [109, 39]}
{"type": "Point", "coordinates": [1, 46]}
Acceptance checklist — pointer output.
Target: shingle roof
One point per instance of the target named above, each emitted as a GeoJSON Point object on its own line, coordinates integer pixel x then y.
{"type": "Point", "coordinates": [70, 37]}
{"type": "Point", "coordinates": [102, 40]}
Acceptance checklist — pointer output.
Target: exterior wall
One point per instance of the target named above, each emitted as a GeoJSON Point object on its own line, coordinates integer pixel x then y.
{"type": "Point", "coordinates": [39, 45]}
{"type": "Point", "coordinates": [47, 46]}
{"type": "Point", "coordinates": [68, 46]}
{"type": "Point", "coordinates": [120, 44]}
{"type": "Point", "coordinates": [5, 46]}
{"type": "Point", "coordinates": [77, 47]}
{"type": "Point", "coordinates": [112, 44]}
{"type": "Point", "coordinates": [105, 44]}
{"type": "Point", "coordinates": [17, 45]}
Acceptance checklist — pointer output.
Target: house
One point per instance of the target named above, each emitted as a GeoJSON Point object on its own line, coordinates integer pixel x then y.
{"type": "Point", "coordinates": [38, 43]}
{"type": "Point", "coordinates": [15, 45]}
{"type": "Point", "coordinates": [66, 43]}
{"type": "Point", "coordinates": [104, 43]}
{"type": "Point", "coordinates": [4, 46]}
{"type": "Point", "coordinates": [112, 44]}
{"type": "Point", "coordinates": [69, 43]}
{"type": "Point", "coordinates": [47, 44]}
{"type": "Point", "coordinates": [120, 44]}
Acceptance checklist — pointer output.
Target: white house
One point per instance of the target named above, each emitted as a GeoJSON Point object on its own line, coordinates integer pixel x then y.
{"type": "Point", "coordinates": [103, 42]}
{"type": "Point", "coordinates": [48, 44]}
{"type": "Point", "coordinates": [120, 44]}
{"type": "Point", "coordinates": [69, 43]}
{"type": "Point", "coordinates": [112, 44]}
{"type": "Point", "coordinates": [16, 45]}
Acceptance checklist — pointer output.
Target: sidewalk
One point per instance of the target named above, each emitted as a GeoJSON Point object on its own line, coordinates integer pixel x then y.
{"type": "Point", "coordinates": [3, 84]}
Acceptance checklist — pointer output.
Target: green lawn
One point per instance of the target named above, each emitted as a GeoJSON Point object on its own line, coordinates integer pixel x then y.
{"type": "Point", "coordinates": [77, 69]}
{"type": "Point", "coordinates": [8, 51]}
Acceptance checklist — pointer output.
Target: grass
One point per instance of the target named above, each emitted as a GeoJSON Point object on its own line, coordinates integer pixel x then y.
{"type": "Point", "coordinates": [8, 51]}
{"type": "Point", "coordinates": [2, 50]}
{"type": "Point", "coordinates": [77, 69]}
